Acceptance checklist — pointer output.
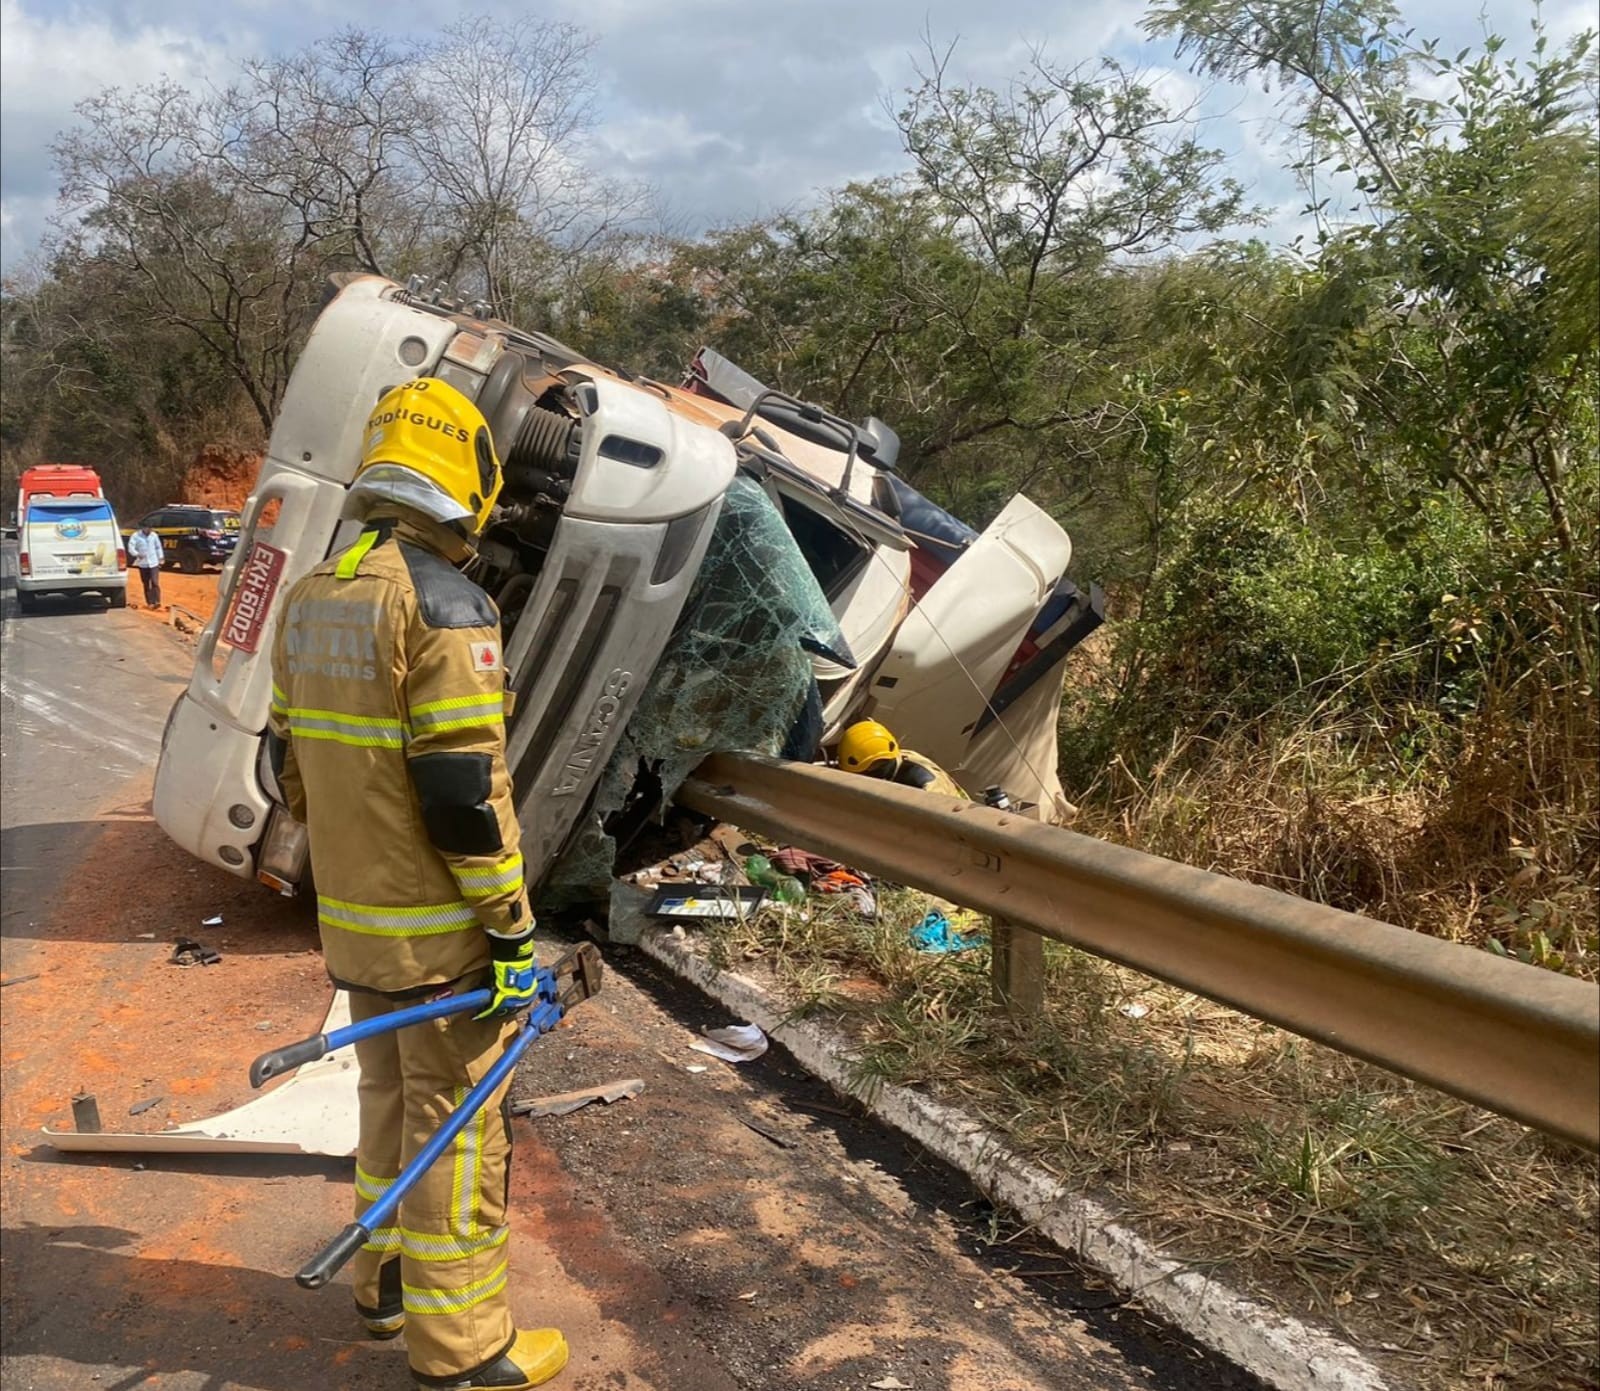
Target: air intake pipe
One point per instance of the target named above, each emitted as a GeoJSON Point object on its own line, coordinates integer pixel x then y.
{"type": "Point", "coordinates": [538, 448]}
{"type": "Point", "coordinates": [544, 455]}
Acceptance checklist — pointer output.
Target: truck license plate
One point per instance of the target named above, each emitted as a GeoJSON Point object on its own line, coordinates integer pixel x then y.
{"type": "Point", "coordinates": [258, 582]}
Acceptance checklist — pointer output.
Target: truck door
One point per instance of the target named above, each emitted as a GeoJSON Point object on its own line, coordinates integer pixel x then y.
{"type": "Point", "coordinates": [955, 646]}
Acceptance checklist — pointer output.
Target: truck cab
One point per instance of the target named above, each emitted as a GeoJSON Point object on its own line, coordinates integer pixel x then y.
{"type": "Point", "coordinates": [614, 487]}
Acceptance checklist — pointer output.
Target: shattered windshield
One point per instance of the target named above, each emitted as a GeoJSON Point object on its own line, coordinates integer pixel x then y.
{"type": "Point", "coordinates": [735, 676]}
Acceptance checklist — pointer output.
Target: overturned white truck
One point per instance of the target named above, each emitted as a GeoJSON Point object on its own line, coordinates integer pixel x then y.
{"type": "Point", "coordinates": [679, 569]}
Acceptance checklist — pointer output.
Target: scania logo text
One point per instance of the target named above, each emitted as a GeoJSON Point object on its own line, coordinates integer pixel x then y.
{"type": "Point", "coordinates": [581, 757]}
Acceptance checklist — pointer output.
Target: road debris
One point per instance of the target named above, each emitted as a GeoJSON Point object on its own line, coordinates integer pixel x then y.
{"type": "Point", "coordinates": [188, 952]}
{"type": "Point", "coordinates": [184, 620]}
{"type": "Point", "coordinates": [934, 934]}
{"type": "Point", "coordinates": [801, 863]}
{"type": "Point", "coordinates": [785, 887]}
{"type": "Point", "coordinates": [85, 1114]}
{"type": "Point", "coordinates": [563, 1103]}
{"type": "Point", "coordinates": [738, 1043]}
{"type": "Point", "coordinates": [766, 1134]}
{"type": "Point", "coordinates": [19, 980]}
{"type": "Point", "coordinates": [725, 902]}
{"type": "Point", "coordinates": [140, 1107]}
{"type": "Point", "coordinates": [830, 1110]}
{"type": "Point", "coordinates": [313, 1112]}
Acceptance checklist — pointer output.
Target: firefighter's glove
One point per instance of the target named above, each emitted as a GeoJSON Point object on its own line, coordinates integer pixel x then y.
{"type": "Point", "coordinates": [516, 981]}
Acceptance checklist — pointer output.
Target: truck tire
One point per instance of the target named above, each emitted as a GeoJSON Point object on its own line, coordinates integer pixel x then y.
{"type": "Point", "coordinates": [190, 561]}
{"type": "Point", "coordinates": [119, 598]}
{"type": "Point", "coordinates": [27, 603]}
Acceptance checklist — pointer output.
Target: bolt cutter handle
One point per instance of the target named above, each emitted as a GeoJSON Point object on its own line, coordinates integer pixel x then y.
{"type": "Point", "coordinates": [308, 1050]}
{"type": "Point", "coordinates": [572, 979]}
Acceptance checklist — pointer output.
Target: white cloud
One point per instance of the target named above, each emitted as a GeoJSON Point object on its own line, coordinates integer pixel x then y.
{"type": "Point", "coordinates": [731, 110]}
{"type": "Point", "coordinates": [1571, 19]}
{"type": "Point", "coordinates": [49, 63]}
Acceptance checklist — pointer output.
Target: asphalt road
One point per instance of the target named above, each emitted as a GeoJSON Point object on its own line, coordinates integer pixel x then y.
{"type": "Point", "coordinates": [730, 1229]}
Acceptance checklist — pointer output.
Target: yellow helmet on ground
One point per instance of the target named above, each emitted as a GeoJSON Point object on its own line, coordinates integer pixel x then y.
{"type": "Point", "coordinates": [428, 447]}
{"type": "Point", "coordinates": [866, 745]}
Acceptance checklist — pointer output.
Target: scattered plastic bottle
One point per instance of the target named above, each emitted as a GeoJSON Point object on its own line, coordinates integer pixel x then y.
{"type": "Point", "coordinates": [788, 889]}
{"type": "Point", "coordinates": [784, 888]}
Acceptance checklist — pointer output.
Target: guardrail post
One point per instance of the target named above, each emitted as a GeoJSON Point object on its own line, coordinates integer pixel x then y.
{"type": "Point", "coordinates": [1017, 968]}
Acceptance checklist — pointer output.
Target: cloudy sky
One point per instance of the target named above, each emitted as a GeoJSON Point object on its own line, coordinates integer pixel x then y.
{"type": "Point", "coordinates": [732, 109]}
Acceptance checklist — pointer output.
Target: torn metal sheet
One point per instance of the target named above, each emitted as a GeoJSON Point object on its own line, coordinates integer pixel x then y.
{"type": "Point", "coordinates": [563, 1103]}
{"type": "Point", "coordinates": [312, 1112]}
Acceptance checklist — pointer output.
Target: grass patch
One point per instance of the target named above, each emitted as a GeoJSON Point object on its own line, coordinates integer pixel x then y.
{"type": "Point", "coordinates": [1459, 1247]}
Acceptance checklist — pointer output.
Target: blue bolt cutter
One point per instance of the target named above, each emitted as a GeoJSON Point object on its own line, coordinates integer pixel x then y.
{"type": "Point", "coordinates": [571, 980]}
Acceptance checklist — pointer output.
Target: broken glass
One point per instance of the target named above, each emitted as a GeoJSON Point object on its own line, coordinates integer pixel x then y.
{"type": "Point", "coordinates": [736, 676]}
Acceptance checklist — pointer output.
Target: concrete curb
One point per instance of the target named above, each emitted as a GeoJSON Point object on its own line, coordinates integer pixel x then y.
{"type": "Point", "coordinates": [1281, 1351]}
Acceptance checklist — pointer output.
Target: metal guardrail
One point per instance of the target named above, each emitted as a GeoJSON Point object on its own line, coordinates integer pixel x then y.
{"type": "Point", "coordinates": [1519, 1040]}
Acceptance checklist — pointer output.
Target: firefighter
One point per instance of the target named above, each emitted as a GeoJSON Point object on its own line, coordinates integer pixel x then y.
{"type": "Point", "coordinates": [387, 736]}
{"type": "Point", "coordinates": [868, 747]}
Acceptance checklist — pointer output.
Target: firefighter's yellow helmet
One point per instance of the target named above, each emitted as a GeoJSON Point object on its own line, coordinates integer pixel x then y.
{"type": "Point", "coordinates": [428, 447]}
{"type": "Point", "coordinates": [865, 745]}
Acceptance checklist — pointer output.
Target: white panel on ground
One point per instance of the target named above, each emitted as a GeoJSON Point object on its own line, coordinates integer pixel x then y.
{"type": "Point", "coordinates": [313, 1112]}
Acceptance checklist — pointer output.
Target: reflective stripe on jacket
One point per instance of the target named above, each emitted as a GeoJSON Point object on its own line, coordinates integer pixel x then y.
{"type": "Point", "coordinates": [385, 655]}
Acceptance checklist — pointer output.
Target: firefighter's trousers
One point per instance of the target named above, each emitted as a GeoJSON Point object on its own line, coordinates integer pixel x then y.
{"type": "Point", "coordinates": [450, 1234]}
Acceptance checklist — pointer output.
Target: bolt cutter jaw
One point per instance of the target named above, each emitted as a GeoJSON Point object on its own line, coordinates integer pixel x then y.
{"type": "Point", "coordinates": [574, 976]}
{"type": "Point", "coordinates": [569, 980]}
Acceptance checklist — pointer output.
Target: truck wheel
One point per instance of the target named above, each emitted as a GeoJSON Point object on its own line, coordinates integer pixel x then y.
{"type": "Point", "coordinates": [27, 603]}
{"type": "Point", "coordinates": [119, 598]}
{"type": "Point", "coordinates": [190, 561]}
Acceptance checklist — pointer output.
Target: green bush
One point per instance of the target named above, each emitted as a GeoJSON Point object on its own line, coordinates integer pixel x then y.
{"type": "Point", "coordinates": [1256, 617]}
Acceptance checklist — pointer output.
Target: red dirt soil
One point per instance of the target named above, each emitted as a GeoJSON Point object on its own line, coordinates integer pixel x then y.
{"type": "Point", "coordinates": [221, 476]}
{"type": "Point", "coordinates": [224, 476]}
{"type": "Point", "coordinates": [196, 594]}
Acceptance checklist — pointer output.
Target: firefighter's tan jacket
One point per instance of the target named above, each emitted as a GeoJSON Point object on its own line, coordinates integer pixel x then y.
{"type": "Point", "coordinates": [388, 733]}
{"type": "Point", "coordinates": [913, 770]}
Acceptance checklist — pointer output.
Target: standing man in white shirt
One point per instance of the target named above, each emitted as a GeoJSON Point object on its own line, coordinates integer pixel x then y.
{"type": "Point", "coordinates": [146, 554]}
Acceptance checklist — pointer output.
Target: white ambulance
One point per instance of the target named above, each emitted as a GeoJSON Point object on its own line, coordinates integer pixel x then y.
{"type": "Point", "coordinates": [68, 543]}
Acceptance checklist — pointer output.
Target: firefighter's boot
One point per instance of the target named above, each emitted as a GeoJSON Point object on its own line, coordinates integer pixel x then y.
{"type": "Point", "coordinates": [389, 1317]}
{"type": "Point", "coordinates": [537, 1356]}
